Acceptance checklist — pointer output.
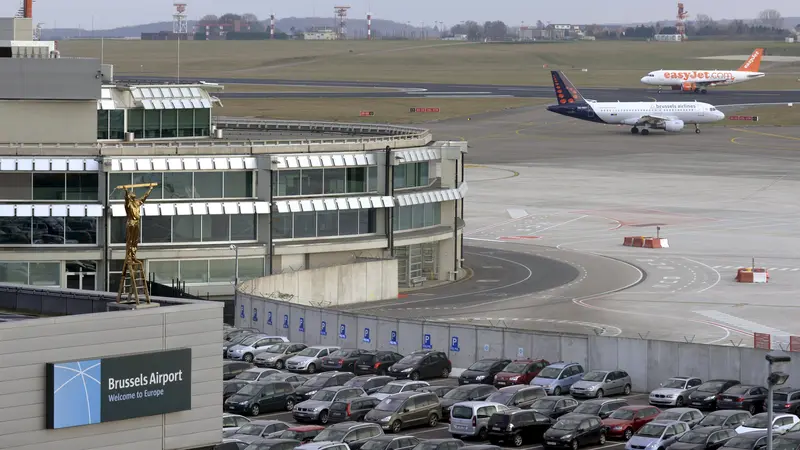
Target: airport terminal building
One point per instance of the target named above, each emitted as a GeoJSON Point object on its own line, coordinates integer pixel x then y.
{"type": "Point", "coordinates": [273, 196]}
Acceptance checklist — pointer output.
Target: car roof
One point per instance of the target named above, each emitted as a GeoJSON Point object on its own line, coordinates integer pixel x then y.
{"type": "Point", "coordinates": [717, 380]}
{"type": "Point", "coordinates": [306, 428]}
{"type": "Point", "coordinates": [265, 422]}
{"type": "Point", "coordinates": [740, 385]}
{"type": "Point", "coordinates": [707, 430]}
{"type": "Point", "coordinates": [636, 407]}
{"type": "Point", "coordinates": [518, 387]}
{"type": "Point", "coordinates": [562, 364]}
{"type": "Point", "coordinates": [322, 347]}
{"type": "Point", "coordinates": [231, 415]}
{"type": "Point", "coordinates": [581, 416]}
{"type": "Point", "coordinates": [476, 404]}
{"type": "Point", "coordinates": [350, 424]}
{"type": "Point", "coordinates": [680, 410]}
{"type": "Point", "coordinates": [336, 388]}
{"type": "Point", "coordinates": [323, 444]}
{"type": "Point", "coordinates": [604, 400]}
{"type": "Point", "coordinates": [665, 423]}
{"type": "Point", "coordinates": [259, 370]}
{"type": "Point", "coordinates": [754, 435]}
{"type": "Point", "coordinates": [407, 394]}
{"type": "Point", "coordinates": [726, 412]}
{"type": "Point", "coordinates": [786, 389]}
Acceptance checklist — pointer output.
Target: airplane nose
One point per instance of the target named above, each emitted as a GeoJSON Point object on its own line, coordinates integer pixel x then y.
{"type": "Point", "coordinates": [644, 80]}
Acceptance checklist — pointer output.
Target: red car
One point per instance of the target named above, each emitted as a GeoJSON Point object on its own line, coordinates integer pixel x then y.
{"type": "Point", "coordinates": [626, 421]}
{"type": "Point", "coordinates": [520, 371]}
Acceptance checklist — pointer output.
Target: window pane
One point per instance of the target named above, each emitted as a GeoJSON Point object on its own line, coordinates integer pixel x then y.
{"type": "Point", "coordinates": [281, 226]}
{"type": "Point", "coordinates": [288, 182]}
{"type": "Point", "coordinates": [16, 186]}
{"type": "Point", "coordinates": [423, 173]}
{"type": "Point", "coordinates": [81, 230]}
{"type": "Point", "coordinates": [243, 227]}
{"type": "Point", "coordinates": [169, 123]}
{"type": "Point", "coordinates": [366, 221]}
{"type": "Point", "coordinates": [437, 213]}
{"type": "Point", "coordinates": [417, 216]}
{"type": "Point", "coordinates": [117, 124]}
{"type": "Point", "coordinates": [311, 182]}
{"type": "Point", "coordinates": [400, 176]}
{"type": "Point", "coordinates": [48, 186]}
{"type": "Point", "coordinates": [411, 175]}
{"type": "Point", "coordinates": [238, 184]}
{"type": "Point", "coordinates": [82, 186]}
{"type": "Point", "coordinates": [48, 230]}
{"type": "Point", "coordinates": [194, 271]}
{"type": "Point", "coordinates": [45, 274]}
{"type": "Point", "coordinates": [348, 222]}
{"type": "Point", "coordinates": [327, 223]}
{"type": "Point", "coordinates": [156, 229]}
{"type": "Point", "coordinates": [165, 272]}
{"type": "Point", "coordinates": [357, 179]}
{"type": "Point", "coordinates": [117, 226]}
{"type": "Point", "coordinates": [216, 228]}
{"type": "Point", "coordinates": [186, 229]}
{"type": "Point", "coordinates": [102, 124]}
{"type": "Point", "coordinates": [405, 217]}
{"type": "Point", "coordinates": [177, 185]}
{"type": "Point", "coordinates": [185, 122]}
{"type": "Point", "coordinates": [396, 219]}
{"type": "Point", "coordinates": [305, 224]}
{"type": "Point", "coordinates": [114, 180]}
{"type": "Point", "coordinates": [149, 177]}
{"type": "Point", "coordinates": [136, 122]}
{"type": "Point", "coordinates": [152, 123]}
{"type": "Point", "coordinates": [202, 122]}
{"type": "Point", "coordinates": [429, 214]}
{"type": "Point", "coordinates": [251, 268]}
{"type": "Point", "coordinates": [373, 179]}
{"type": "Point", "coordinates": [222, 270]}
{"type": "Point", "coordinates": [15, 230]}
{"type": "Point", "coordinates": [16, 273]}
{"type": "Point", "coordinates": [208, 185]}
{"type": "Point", "coordinates": [334, 181]}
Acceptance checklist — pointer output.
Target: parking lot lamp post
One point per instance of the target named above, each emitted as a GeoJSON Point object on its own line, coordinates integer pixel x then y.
{"type": "Point", "coordinates": [774, 379]}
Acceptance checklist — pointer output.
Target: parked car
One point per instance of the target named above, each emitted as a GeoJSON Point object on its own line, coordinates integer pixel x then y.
{"type": "Point", "coordinates": [302, 433]}
{"type": "Point", "coordinates": [749, 397]}
{"type": "Point", "coordinates": [377, 363]}
{"type": "Point", "coordinates": [728, 418]}
{"type": "Point", "coordinates": [440, 444]}
{"type": "Point", "coordinates": [369, 383]}
{"type": "Point", "coordinates": [322, 380]}
{"type": "Point", "coordinates": [705, 438]}
{"type": "Point", "coordinates": [406, 409]}
{"type": "Point", "coordinates": [575, 431]}
{"type": "Point", "coordinates": [440, 391]}
{"type": "Point", "coordinates": [599, 383]}
{"type": "Point", "coordinates": [343, 359]}
{"type": "Point", "coordinates": [396, 387]}
{"type": "Point", "coordinates": [232, 368]}
{"type": "Point", "coordinates": [705, 396]}
{"type": "Point", "coordinates": [519, 396]}
{"type": "Point", "coordinates": [601, 407]}
{"type": "Point", "coordinates": [692, 416]}
{"type": "Point", "coordinates": [253, 345]}
{"type": "Point", "coordinates": [353, 409]}
{"type": "Point", "coordinates": [788, 441]}
{"type": "Point", "coordinates": [518, 427]}
{"type": "Point", "coordinates": [465, 393]}
{"type": "Point", "coordinates": [483, 371]}
{"type": "Point", "coordinates": [324, 446]}
{"type": "Point", "coordinates": [274, 444]}
{"type": "Point", "coordinates": [231, 333]}
{"type": "Point", "coordinates": [657, 434]}
{"type": "Point", "coordinates": [231, 387]}
{"type": "Point", "coordinates": [231, 423]}
{"type": "Point", "coordinates": [230, 444]}
{"type": "Point", "coordinates": [262, 396]}
{"type": "Point", "coordinates": [276, 355]}
{"type": "Point", "coordinates": [294, 379]}
{"type": "Point", "coordinates": [756, 440]}
{"type": "Point", "coordinates": [626, 421]}
{"type": "Point", "coordinates": [391, 442]}
{"type": "Point", "coordinates": [786, 400]}
{"type": "Point", "coordinates": [675, 391]}
{"type": "Point", "coordinates": [555, 406]}
{"type": "Point", "coordinates": [557, 378]}
{"type": "Point", "coordinates": [236, 338]}
{"type": "Point", "coordinates": [255, 374]}
{"type": "Point", "coordinates": [258, 429]}
{"type": "Point", "coordinates": [519, 372]}
{"type": "Point", "coordinates": [471, 419]}
{"type": "Point", "coordinates": [317, 408]}
{"type": "Point", "coordinates": [780, 422]}
{"type": "Point", "coordinates": [354, 434]}
{"type": "Point", "coordinates": [422, 364]}
{"type": "Point", "coordinates": [309, 359]}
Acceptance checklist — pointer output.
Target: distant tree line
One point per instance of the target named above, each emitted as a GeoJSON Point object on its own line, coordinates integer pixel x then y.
{"type": "Point", "coordinates": [250, 27]}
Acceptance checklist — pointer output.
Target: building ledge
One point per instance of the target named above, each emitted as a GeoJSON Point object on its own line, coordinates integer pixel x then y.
{"type": "Point", "coordinates": [295, 247]}
{"type": "Point", "coordinates": [423, 236]}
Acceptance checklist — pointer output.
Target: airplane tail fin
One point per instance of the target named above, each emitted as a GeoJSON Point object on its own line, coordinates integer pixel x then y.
{"type": "Point", "coordinates": [565, 91]}
{"type": "Point", "coordinates": [753, 62]}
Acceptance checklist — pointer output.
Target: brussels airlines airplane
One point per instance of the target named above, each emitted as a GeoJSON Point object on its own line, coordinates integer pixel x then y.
{"type": "Point", "coordinates": [668, 116]}
{"type": "Point", "coordinates": [698, 80]}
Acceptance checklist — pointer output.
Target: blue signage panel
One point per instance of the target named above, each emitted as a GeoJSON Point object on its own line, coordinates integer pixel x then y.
{"type": "Point", "coordinates": [302, 327]}
{"type": "Point", "coordinates": [285, 321]}
{"type": "Point", "coordinates": [323, 328]}
{"type": "Point", "coordinates": [342, 331]}
{"type": "Point", "coordinates": [255, 314]}
{"type": "Point", "coordinates": [269, 317]}
{"type": "Point", "coordinates": [366, 335]}
{"type": "Point", "coordinates": [241, 311]}
{"type": "Point", "coordinates": [426, 342]}
{"type": "Point", "coordinates": [454, 344]}
{"type": "Point", "coordinates": [393, 338]}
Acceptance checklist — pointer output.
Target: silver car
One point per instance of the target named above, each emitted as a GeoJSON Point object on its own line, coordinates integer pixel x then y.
{"type": "Point", "coordinates": [310, 359]}
{"type": "Point", "coordinates": [396, 387]}
{"type": "Point", "coordinates": [255, 374]}
{"type": "Point", "coordinates": [253, 345]}
{"type": "Point", "coordinates": [675, 391]}
{"type": "Point", "coordinates": [656, 435]}
{"type": "Point", "coordinates": [317, 408]}
{"type": "Point", "coordinates": [276, 355]}
{"type": "Point", "coordinates": [472, 418]}
{"type": "Point", "coordinates": [598, 383]}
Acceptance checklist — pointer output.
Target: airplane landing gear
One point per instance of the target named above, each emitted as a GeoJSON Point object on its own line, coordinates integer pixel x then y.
{"type": "Point", "coordinates": [696, 129]}
{"type": "Point", "coordinates": [659, 89]}
{"type": "Point", "coordinates": [635, 130]}
{"type": "Point", "coordinates": [703, 91]}
{"type": "Point", "coordinates": [645, 131]}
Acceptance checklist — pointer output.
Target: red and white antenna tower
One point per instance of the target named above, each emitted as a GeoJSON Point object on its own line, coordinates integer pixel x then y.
{"type": "Point", "coordinates": [272, 26]}
{"type": "Point", "coordinates": [180, 24]}
{"type": "Point", "coordinates": [369, 26]}
{"type": "Point", "coordinates": [679, 25]}
{"type": "Point", "coordinates": [341, 20]}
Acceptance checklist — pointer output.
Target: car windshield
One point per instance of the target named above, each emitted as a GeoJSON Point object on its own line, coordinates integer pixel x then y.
{"type": "Point", "coordinates": [330, 434]}
{"type": "Point", "coordinates": [277, 348]}
{"type": "Point", "coordinates": [250, 389]}
{"type": "Point", "coordinates": [674, 383]}
{"type": "Point", "coordinates": [567, 424]}
{"type": "Point", "coordinates": [779, 397]}
{"type": "Point", "coordinates": [622, 414]}
{"type": "Point", "coordinates": [595, 375]}
{"type": "Point", "coordinates": [588, 408]}
{"type": "Point", "coordinates": [743, 442]}
{"type": "Point", "coordinates": [248, 375]}
{"type": "Point", "coordinates": [251, 429]}
{"type": "Point", "coordinates": [233, 387]}
{"type": "Point", "coordinates": [500, 397]}
{"type": "Point", "coordinates": [757, 421]}
{"type": "Point", "coordinates": [356, 382]}
{"type": "Point", "coordinates": [277, 376]}
{"type": "Point", "coordinates": [251, 339]}
{"type": "Point", "coordinates": [315, 382]}
{"type": "Point", "coordinates": [694, 437]}
{"type": "Point", "coordinates": [481, 366]}
{"type": "Point", "coordinates": [324, 396]}
{"type": "Point", "coordinates": [389, 404]}
{"type": "Point", "coordinates": [374, 444]}
{"type": "Point", "coordinates": [544, 403]}
{"type": "Point", "coordinates": [309, 352]}
{"type": "Point", "coordinates": [411, 359]}
{"type": "Point", "coordinates": [651, 430]}
{"type": "Point", "coordinates": [516, 367]}
{"type": "Point", "coordinates": [427, 446]}
{"type": "Point", "coordinates": [240, 338]}
{"type": "Point", "coordinates": [712, 420]}
{"type": "Point", "coordinates": [290, 434]}
{"type": "Point", "coordinates": [737, 390]}
{"type": "Point", "coordinates": [711, 386]}
{"type": "Point", "coordinates": [458, 394]}
{"type": "Point", "coordinates": [670, 415]}
{"type": "Point", "coordinates": [549, 372]}
{"type": "Point", "coordinates": [343, 353]}
{"type": "Point", "coordinates": [391, 388]}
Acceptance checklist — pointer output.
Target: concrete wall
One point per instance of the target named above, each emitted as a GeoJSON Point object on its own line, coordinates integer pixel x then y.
{"type": "Point", "coordinates": [50, 79]}
{"type": "Point", "coordinates": [649, 362]}
{"type": "Point", "coordinates": [25, 347]}
{"type": "Point", "coordinates": [332, 286]}
{"type": "Point", "coordinates": [44, 121]}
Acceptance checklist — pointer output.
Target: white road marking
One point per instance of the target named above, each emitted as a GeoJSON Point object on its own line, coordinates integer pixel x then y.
{"type": "Point", "coordinates": [487, 281]}
{"type": "Point", "coordinates": [779, 269]}
{"type": "Point", "coordinates": [748, 325]}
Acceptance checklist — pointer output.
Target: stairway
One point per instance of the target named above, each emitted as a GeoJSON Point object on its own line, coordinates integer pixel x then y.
{"type": "Point", "coordinates": [133, 283]}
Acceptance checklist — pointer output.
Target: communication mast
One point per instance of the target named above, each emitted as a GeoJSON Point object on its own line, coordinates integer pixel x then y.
{"type": "Point", "coordinates": [25, 10]}
{"type": "Point", "coordinates": [341, 20]}
{"type": "Point", "coordinates": [369, 26]}
{"type": "Point", "coordinates": [679, 25]}
{"type": "Point", "coordinates": [179, 23]}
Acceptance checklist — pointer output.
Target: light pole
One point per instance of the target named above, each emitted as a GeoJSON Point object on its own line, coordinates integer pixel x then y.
{"type": "Point", "coordinates": [235, 267]}
{"type": "Point", "coordinates": [774, 379]}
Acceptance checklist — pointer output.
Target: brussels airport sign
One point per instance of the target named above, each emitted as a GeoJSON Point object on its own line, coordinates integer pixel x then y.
{"type": "Point", "coordinates": [122, 387]}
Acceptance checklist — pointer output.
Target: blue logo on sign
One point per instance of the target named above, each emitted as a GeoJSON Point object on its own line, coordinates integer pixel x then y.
{"type": "Point", "coordinates": [241, 312]}
{"type": "Point", "coordinates": [426, 341]}
{"type": "Point", "coordinates": [366, 335]}
{"type": "Point", "coordinates": [323, 328]}
{"type": "Point", "coordinates": [255, 314]}
{"type": "Point", "coordinates": [302, 325]}
{"type": "Point", "coordinates": [342, 331]}
{"type": "Point", "coordinates": [285, 321]}
{"type": "Point", "coordinates": [454, 344]}
{"type": "Point", "coordinates": [269, 317]}
{"type": "Point", "coordinates": [393, 338]}
{"type": "Point", "coordinates": [76, 393]}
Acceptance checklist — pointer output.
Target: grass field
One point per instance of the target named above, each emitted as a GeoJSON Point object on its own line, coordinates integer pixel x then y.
{"type": "Point", "coordinates": [285, 88]}
{"type": "Point", "coordinates": [767, 115]}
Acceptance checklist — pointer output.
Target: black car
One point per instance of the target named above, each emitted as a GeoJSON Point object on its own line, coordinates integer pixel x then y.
{"type": "Point", "coordinates": [376, 362]}
{"type": "Point", "coordinates": [391, 442]}
{"type": "Point", "coordinates": [440, 391]}
{"type": "Point", "coordinates": [294, 379]}
{"type": "Point", "coordinates": [556, 406]}
{"type": "Point", "coordinates": [231, 387]}
{"type": "Point", "coordinates": [602, 407]}
{"type": "Point", "coordinates": [705, 396]}
{"type": "Point", "coordinates": [422, 364]}
{"type": "Point", "coordinates": [344, 359]}
{"type": "Point", "coordinates": [369, 383]}
{"type": "Point", "coordinates": [728, 418]}
{"type": "Point", "coordinates": [527, 427]}
{"type": "Point", "coordinates": [274, 444]}
{"type": "Point", "coordinates": [439, 444]}
{"type": "Point", "coordinates": [352, 409]}
{"type": "Point", "coordinates": [232, 368]}
{"type": "Point", "coordinates": [354, 434]}
{"type": "Point", "coordinates": [467, 393]}
{"type": "Point", "coordinates": [786, 400]}
{"type": "Point", "coordinates": [748, 397]}
{"type": "Point", "coordinates": [705, 438]}
{"type": "Point", "coordinates": [519, 396]}
{"type": "Point", "coordinates": [483, 371]}
{"type": "Point", "coordinates": [575, 431]}
{"type": "Point", "coordinates": [322, 380]}
{"type": "Point", "coordinates": [262, 396]}
{"type": "Point", "coordinates": [788, 441]}
{"type": "Point", "coordinates": [754, 440]}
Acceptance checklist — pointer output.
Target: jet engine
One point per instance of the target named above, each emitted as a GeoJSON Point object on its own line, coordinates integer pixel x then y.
{"type": "Point", "coordinates": [673, 125]}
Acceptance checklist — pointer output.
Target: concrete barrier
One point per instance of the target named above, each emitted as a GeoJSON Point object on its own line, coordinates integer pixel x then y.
{"type": "Point", "coordinates": [649, 362]}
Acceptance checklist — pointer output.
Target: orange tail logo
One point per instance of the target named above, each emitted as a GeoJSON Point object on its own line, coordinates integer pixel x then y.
{"type": "Point", "coordinates": [752, 63]}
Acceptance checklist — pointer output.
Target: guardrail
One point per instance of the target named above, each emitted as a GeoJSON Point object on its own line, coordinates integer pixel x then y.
{"type": "Point", "coordinates": [314, 126]}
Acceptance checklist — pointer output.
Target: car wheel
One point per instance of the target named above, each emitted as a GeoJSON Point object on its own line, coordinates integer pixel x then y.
{"type": "Point", "coordinates": [312, 368]}
{"type": "Point", "coordinates": [279, 365]}
{"type": "Point", "coordinates": [396, 426]}
{"type": "Point", "coordinates": [602, 438]}
{"type": "Point", "coordinates": [557, 390]}
{"type": "Point", "coordinates": [255, 410]}
{"type": "Point", "coordinates": [627, 390]}
{"type": "Point", "coordinates": [445, 372]}
{"type": "Point", "coordinates": [289, 404]}
{"type": "Point", "coordinates": [323, 417]}
{"type": "Point", "coordinates": [517, 440]}
{"type": "Point", "coordinates": [433, 420]}
{"type": "Point", "coordinates": [599, 394]}
{"type": "Point", "coordinates": [483, 433]}
{"type": "Point", "coordinates": [574, 445]}
{"type": "Point", "coordinates": [414, 376]}
{"type": "Point", "coordinates": [628, 434]}
{"type": "Point", "coordinates": [248, 357]}
{"type": "Point", "coordinates": [679, 402]}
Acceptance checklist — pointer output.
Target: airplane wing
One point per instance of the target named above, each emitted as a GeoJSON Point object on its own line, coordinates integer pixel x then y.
{"type": "Point", "coordinates": [653, 120]}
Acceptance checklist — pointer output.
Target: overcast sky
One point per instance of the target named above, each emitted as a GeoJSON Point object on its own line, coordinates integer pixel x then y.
{"type": "Point", "coordinates": [115, 13]}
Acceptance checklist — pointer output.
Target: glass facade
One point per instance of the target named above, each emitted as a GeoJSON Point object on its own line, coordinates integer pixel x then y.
{"type": "Point", "coordinates": [46, 274]}
{"type": "Point", "coordinates": [190, 229]}
{"type": "Point", "coordinates": [334, 181]}
{"type": "Point", "coordinates": [111, 124]}
{"type": "Point", "coordinates": [199, 271]}
{"type": "Point", "coordinates": [417, 263]}
{"type": "Point", "coordinates": [323, 224]}
{"type": "Point", "coordinates": [154, 124]}
{"type": "Point", "coordinates": [412, 175]}
{"type": "Point", "coordinates": [49, 186]}
{"type": "Point", "coordinates": [417, 216]}
{"type": "Point", "coordinates": [186, 185]}
{"type": "Point", "coordinates": [48, 231]}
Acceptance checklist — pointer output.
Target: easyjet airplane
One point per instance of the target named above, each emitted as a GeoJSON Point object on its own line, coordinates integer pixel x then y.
{"type": "Point", "coordinates": [698, 80]}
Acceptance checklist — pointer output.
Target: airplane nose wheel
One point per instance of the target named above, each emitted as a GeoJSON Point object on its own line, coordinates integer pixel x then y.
{"type": "Point", "coordinates": [645, 132]}
{"type": "Point", "coordinates": [635, 130]}
{"type": "Point", "coordinates": [697, 129]}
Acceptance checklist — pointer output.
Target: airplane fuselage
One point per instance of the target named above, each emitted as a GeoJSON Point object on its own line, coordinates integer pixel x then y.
{"type": "Point", "coordinates": [699, 77]}
{"type": "Point", "coordinates": [630, 113]}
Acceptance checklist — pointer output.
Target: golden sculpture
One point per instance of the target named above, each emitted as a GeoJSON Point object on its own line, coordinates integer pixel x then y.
{"type": "Point", "coordinates": [132, 281]}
